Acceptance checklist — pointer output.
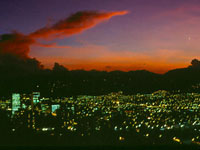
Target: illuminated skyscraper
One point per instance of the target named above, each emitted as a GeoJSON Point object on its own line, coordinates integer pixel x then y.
{"type": "Point", "coordinates": [15, 102]}
{"type": "Point", "coordinates": [54, 107]}
{"type": "Point", "coordinates": [36, 96]}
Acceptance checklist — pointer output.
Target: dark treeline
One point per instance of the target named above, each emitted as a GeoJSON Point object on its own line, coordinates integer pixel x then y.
{"type": "Point", "coordinates": [27, 75]}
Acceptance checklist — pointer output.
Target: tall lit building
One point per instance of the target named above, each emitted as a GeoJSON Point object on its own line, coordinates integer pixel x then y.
{"type": "Point", "coordinates": [36, 96]}
{"type": "Point", "coordinates": [15, 102]}
{"type": "Point", "coordinates": [54, 107]}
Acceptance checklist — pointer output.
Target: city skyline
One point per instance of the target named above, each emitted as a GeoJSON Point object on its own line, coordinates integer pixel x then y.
{"type": "Point", "coordinates": [158, 118]}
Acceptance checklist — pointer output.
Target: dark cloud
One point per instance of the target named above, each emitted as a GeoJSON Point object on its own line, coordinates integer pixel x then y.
{"type": "Point", "coordinates": [11, 63]}
{"type": "Point", "coordinates": [59, 68]}
{"type": "Point", "coordinates": [16, 44]}
{"type": "Point", "coordinates": [195, 63]}
{"type": "Point", "coordinates": [14, 50]}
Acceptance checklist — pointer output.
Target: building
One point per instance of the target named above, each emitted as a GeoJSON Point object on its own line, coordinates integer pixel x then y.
{"type": "Point", "coordinates": [36, 96]}
{"type": "Point", "coordinates": [54, 107]}
{"type": "Point", "coordinates": [15, 102]}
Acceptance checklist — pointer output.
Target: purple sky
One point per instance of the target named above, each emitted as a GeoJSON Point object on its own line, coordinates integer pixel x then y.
{"type": "Point", "coordinates": [156, 35]}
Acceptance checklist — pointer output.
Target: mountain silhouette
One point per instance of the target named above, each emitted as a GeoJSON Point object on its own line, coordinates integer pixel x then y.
{"type": "Point", "coordinates": [27, 75]}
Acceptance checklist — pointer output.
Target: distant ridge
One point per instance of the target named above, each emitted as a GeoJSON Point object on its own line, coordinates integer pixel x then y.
{"type": "Point", "coordinates": [27, 75]}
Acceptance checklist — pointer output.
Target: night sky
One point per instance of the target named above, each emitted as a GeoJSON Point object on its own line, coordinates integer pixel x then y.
{"type": "Point", "coordinates": [156, 35]}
